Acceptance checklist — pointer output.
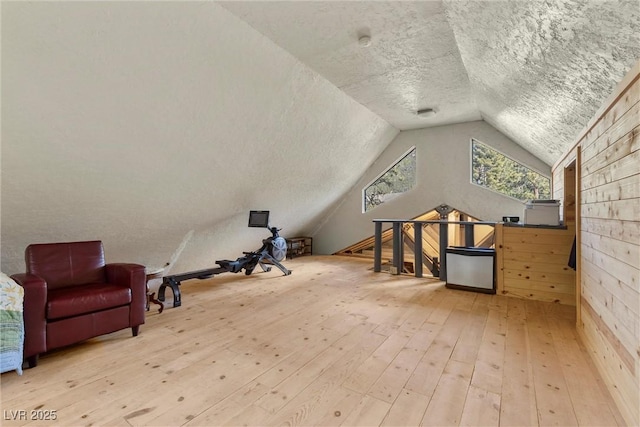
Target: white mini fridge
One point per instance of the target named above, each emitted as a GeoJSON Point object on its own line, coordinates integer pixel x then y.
{"type": "Point", "coordinates": [471, 269]}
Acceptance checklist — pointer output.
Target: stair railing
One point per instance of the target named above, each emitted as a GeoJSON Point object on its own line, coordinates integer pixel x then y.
{"type": "Point", "coordinates": [397, 225]}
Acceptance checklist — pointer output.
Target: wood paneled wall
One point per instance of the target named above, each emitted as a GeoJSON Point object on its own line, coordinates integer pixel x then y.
{"type": "Point", "coordinates": [532, 263]}
{"type": "Point", "coordinates": [607, 161]}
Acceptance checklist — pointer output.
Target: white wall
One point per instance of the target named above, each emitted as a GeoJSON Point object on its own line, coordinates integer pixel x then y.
{"type": "Point", "coordinates": [157, 126]}
{"type": "Point", "coordinates": [443, 156]}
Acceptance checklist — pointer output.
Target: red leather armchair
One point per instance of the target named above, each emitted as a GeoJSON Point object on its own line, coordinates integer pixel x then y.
{"type": "Point", "coordinates": [70, 295]}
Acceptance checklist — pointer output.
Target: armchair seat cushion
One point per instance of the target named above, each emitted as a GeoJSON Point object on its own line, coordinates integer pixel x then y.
{"type": "Point", "coordinates": [77, 300]}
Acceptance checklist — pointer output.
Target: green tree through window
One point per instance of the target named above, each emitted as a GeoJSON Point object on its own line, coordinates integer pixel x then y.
{"type": "Point", "coordinates": [494, 170]}
{"type": "Point", "coordinates": [398, 178]}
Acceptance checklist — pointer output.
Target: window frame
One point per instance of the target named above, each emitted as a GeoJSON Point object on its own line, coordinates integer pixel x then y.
{"type": "Point", "coordinates": [394, 164]}
{"type": "Point", "coordinates": [471, 141]}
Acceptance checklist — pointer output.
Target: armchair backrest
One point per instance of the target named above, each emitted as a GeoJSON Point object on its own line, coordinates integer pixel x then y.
{"type": "Point", "coordinates": [67, 264]}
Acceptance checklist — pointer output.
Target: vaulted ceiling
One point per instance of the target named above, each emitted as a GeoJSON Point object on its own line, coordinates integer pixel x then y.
{"type": "Point", "coordinates": [535, 70]}
{"type": "Point", "coordinates": [156, 126]}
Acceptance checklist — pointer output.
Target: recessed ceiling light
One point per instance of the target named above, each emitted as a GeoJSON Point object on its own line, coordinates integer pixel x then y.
{"type": "Point", "coordinates": [426, 112]}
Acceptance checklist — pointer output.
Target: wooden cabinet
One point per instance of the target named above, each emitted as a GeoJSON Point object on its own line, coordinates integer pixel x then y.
{"type": "Point", "coordinates": [532, 263]}
{"type": "Point", "coordinates": [299, 246]}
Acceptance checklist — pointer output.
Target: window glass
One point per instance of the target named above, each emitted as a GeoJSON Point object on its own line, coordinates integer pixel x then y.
{"type": "Point", "coordinates": [494, 170]}
{"type": "Point", "coordinates": [397, 179]}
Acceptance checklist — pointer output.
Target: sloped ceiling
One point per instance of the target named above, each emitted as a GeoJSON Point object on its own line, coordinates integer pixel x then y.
{"type": "Point", "coordinates": [535, 70]}
{"type": "Point", "coordinates": [156, 126]}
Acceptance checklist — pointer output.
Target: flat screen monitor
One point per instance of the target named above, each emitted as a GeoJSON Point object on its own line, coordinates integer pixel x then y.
{"type": "Point", "coordinates": [259, 219]}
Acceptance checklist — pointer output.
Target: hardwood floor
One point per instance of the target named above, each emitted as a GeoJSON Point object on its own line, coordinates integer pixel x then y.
{"type": "Point", "coordinates": [332, 344]}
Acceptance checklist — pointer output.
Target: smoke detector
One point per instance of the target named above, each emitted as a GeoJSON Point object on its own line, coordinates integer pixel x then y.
{"type": "Point", "coordinates": [364, 40]}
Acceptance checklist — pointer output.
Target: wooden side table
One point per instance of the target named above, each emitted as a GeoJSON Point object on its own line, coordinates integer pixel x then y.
{"type": "Point", "coordinates": [153, 273]}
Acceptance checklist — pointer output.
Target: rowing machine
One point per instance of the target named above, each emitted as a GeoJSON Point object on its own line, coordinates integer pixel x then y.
{"type": "Point", "coordinates": [272, 251]}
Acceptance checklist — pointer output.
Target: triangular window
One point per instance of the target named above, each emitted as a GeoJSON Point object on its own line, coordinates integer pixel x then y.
{"type": "Point", "coordinates": [395, 180]}
{"type": "Point", "coordinates": [493, 170]}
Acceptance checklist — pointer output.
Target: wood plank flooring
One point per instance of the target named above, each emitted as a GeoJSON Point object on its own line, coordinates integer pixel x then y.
{"type": "Point", "coordinates": [332, 344]}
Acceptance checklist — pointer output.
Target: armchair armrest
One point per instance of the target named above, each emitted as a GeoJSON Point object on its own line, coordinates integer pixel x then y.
{"type": "Point", "coordinates": [35, 301]}
{"type": "Point", "coordinates": [133, 276]}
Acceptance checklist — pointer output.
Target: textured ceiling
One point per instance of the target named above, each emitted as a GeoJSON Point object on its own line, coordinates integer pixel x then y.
{"type": "Point", "coordinates": [535, 70]}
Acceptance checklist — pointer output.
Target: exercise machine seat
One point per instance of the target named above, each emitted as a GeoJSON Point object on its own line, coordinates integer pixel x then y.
{"type": "Point", "coordinates": [231, 266]}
